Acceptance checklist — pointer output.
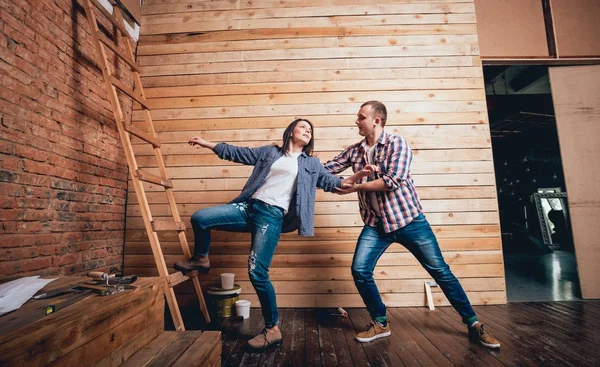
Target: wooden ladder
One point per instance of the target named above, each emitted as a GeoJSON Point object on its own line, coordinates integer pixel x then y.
{"type": "Point", "coordinates": [137, 176]}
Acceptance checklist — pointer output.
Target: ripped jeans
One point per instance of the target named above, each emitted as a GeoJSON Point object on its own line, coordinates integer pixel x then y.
{"type": "Point", "coordinates": [263, 222]}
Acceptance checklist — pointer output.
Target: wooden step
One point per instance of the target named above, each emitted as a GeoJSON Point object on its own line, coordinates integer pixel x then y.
{"type": "Point", "coordinates": [165, 225]}
{"type": "Point", "coordinates": [110, 44]}
{"type": "Point", "coordinates": [142, 135]}
{"type": "Point", "coordinates": [149, 177]}
{"type": "Point", "coordinates": [129, 91]}
{"type": "Point", "coordinates": [180, 348]}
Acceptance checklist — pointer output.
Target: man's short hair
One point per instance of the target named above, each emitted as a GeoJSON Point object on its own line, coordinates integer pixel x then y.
{"type": "Point", "coordinates": [379, 109]}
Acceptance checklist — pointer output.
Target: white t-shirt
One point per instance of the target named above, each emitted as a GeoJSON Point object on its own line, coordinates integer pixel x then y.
{"type": "Point", "coordinates": [280, 183]}
{"type": "Point", "coordinates": [371, 196]}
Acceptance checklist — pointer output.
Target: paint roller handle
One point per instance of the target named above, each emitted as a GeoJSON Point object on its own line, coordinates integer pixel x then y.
{"type": "Point", "coordinates": [99, 275]}
{"type": "Point", "coordinates": [342, 312]}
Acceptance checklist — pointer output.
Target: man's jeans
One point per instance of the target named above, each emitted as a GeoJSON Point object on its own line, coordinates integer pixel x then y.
{"type": "Point", "coordinates": [264, 222]}
{"type": "Point", "coordinates": [419, 239]}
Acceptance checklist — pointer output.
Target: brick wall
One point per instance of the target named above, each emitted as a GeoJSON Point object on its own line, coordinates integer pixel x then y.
{"type": "Point", "coordinates": [63, 175]}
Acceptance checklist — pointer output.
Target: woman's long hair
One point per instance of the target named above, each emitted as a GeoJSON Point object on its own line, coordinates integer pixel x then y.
{"type": "Point", "coordinates": [289, 131]}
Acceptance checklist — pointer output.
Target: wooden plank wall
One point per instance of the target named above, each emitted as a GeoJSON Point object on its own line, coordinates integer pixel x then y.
{"type": "Point", "coordinates": [241, 71]}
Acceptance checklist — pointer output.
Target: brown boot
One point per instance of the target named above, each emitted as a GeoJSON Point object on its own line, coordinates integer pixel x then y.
{"type": "Point", "coordinates": [265, 339]}
{"type": "Point", "coordinates": [200, 263]}
{"type": "Point", "coordinates": [479, 333]}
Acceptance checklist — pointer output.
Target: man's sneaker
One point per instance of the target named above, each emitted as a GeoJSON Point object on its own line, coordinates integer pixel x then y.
{"type": "Point", "coordinates": [266, 339]}
{"type": "Point", "coordinates": [201, 263]}
{"type": "Point", "coordinates": [479, 333]}
{"type": "Point", "coordinates": [373, 331]}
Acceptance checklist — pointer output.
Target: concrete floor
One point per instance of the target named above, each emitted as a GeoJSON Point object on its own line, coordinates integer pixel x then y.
{"type": "Point", "coordinates": [549, 277]}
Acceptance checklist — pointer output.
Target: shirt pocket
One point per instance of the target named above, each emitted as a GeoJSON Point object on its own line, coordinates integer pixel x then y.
{"type": "Point", "coordinates": [310, 170]}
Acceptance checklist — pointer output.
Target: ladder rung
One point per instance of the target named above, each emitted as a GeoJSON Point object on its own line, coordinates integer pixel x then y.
{"type": "Point", "coordinates": [110, 44]}
{"type": "Point", "coordinates": [149, 177]}
{"type": "Point", "coordinates": [142, 135]}
{"type": "Point", "coordinates": [111, 18]}
{"type": "Point", "coordinates": [165, 225]}
{"type": "Point", "coordinates": [130, 92]}
{"type": "Point", "coordinates": [178, 278]}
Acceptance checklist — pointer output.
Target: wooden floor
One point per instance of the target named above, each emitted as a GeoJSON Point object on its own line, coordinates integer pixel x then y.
{"type": "Point", "coordinates": [531, 334]}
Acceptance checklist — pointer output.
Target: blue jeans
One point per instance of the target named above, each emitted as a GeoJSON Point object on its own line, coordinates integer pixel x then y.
{"type": "Point", "coordinates": [263, 222]}
{"type": "Point", "coordinates": [419, 239]}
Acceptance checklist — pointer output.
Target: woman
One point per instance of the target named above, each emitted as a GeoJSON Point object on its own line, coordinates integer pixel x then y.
{"type": "Point", "coordinates": [278, 197]}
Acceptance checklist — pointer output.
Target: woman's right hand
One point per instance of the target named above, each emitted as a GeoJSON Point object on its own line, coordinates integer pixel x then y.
{"type": "Point", "coordinates": [196, 140]}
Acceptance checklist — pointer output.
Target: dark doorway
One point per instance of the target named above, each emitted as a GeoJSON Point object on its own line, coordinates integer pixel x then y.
{"type": "Point", "coordinates": [537, 243]}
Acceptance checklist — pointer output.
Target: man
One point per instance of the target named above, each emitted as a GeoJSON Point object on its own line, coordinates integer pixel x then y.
{"type": "Point", "coordinates": [391, 210]}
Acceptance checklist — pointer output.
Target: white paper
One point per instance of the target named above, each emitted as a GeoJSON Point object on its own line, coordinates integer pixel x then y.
{"type": "Point", "coordinates": [14, 293]}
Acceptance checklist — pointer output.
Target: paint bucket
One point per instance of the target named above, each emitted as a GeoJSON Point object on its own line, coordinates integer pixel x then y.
{"type": "Point", "coordinates": [242, 308]}
{"type": "Point", "coordinates": [222, 301]}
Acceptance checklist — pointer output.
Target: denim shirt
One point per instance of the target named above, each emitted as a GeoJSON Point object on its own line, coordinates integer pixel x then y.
{"type": "Point", "coordinates": [311, 174]}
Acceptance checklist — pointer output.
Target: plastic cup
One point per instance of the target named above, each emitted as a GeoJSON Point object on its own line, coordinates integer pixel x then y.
{"type": "Point", "coordinates": [227, 280]}
{"type": "Point", "coordinates": [242, 308]}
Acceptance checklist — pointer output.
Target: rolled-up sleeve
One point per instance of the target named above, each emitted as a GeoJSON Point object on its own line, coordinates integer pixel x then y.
{"type": "Point", "coordinates": [399, 162]}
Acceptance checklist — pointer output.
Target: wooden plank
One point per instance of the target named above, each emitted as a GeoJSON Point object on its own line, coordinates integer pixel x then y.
{"type": "Point", "coordinates": [190, 45]}
{"type": "Point", "coordinates": [308, 53]}
{"type": "Point", "coordinates": [421, 155]}
{"type": "Point", "coordinates": [399, 318]}
{"type": "Point", "coordinates": [309, 246]}
{"type": "Point", "coordinates": [327, 259]}
{"type": "Point", "coordinates": [159, 7]}
{"type": "Point", "coordinates": [142, 135]}
{"type": "Point", "coordinates": [152, 178]}
{"type": "Point", "coordinates": [375, 20]}
{"type": "Point", "coordinates": [318, 64]}
{"type": "Point", "coordinates": [339, 207]}
{"type": "Point", "coordinates": [326, 75]}
{"type": "Point", "coordinates": [343, 273]}
{"type": "Point", "coordinates": [112, 339]}
{"type": "Point", "coordinates": [129, 91]}
{"type": "Point", "coordinates": [521, 21]}
{"type": "Point", "coordinates": [174, 349]}
{"type": "Point", "coordinates": [577, 106]}
{"type": "Point", "coordinates": [165, 225]}
{"type": "Point", "coordinates": [426, 193]}
{"type": "Point", "coordinates": [151, 350]}
{"type": "Point", "coordinates": [126, 350]}
{"type": "Point", "coordinates": [307, 98]}
{"type": "Point", "coordinates": [303, 12]}
{"type": "Point", "coordinates": [256, 137]}
{"type": "Point", "coordinates": [294, 87]}
{"type": "Point", "coordinates": [110, 44]}
{"type": "Point", "coordinates": [298, 110]}
{"type": "Point", "coordinates": [203, 350]}
{"type": "Point", "coordinates": [468, 232]}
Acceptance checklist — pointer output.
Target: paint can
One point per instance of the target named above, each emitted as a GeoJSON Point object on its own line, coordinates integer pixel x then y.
{"type": "Point", "coordinates": [222, 301]}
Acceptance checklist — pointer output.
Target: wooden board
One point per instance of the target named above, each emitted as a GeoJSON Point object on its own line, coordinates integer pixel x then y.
{"type": "Point", "coordinates": [576, 26]}
{"type": "Point", "coordinates": [511, 28]}
{"type": "Point", "coordinates": [577, 107]}
{"type": "Point", "coordinates": [241, 72]}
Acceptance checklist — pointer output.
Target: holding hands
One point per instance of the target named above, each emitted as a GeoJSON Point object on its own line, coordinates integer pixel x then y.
{"type": "Point", "coordinates": [352, 183]}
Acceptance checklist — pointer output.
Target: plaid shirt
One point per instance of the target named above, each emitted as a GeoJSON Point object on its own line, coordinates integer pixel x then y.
{"type": "Point", "coordinates": [401, 204]}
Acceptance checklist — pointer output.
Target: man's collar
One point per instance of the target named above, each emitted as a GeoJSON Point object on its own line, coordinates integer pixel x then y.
{"type": "Point", "coordinates": [383, 138]}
